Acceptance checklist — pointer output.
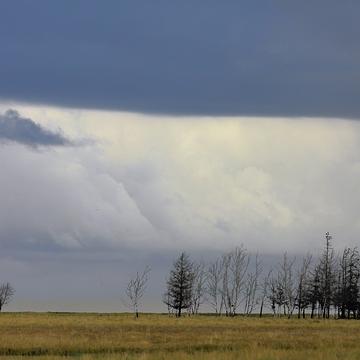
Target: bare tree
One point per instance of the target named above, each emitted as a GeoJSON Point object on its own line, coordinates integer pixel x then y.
{"type": "Point", "coordinates": [6, 294]}
{"type": "Point", "coordinates": [214, 279]}
{"type": "Point", "coordinates": [198, 287]}
{"type": "Point", "coordinates": [235, 265]}
{"type": "Point", "coordinates": [313, 291]}
{"type": "Point", "coordinates": [276, 295]}
{"type": "Point", "coordinates": [136, 288]}
{"type": "Point", "coordinates": [282, 288]}
{"type": "Point", "coordinates": [347, 293]}
{"type": "Point", "coordinates": [327, 277]}
{"type": "Point", "coordinates": [264, 290]}
{"type": "Point", "coordinates": [252, 287]}
{"type": "Point", "coordinates": [302, 299]}
{"type": "Point", "coordinates": [287, 283]}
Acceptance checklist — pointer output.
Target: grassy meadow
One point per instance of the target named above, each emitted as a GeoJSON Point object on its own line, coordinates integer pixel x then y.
{"type": "Point", "coordinates": [120, 336]}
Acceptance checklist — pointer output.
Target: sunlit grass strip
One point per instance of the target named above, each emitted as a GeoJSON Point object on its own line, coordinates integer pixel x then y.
{"type": "Point", "coordinates": [120, 336]}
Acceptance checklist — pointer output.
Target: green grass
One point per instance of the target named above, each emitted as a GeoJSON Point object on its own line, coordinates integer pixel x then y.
{"type": "Point", "coordinates": [120, 336]}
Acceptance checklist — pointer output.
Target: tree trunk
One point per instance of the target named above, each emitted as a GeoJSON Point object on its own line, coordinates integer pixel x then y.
{"type": "Point", "coordinates": [261, 308]}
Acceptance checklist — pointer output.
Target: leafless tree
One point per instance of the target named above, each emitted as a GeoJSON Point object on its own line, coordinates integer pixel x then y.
{"type": "Point", "coordinates": [136, 288]}
{"type": "Point", "coordinates": [264, 290]}
{"type": "Point", "coordinates": [252, 287]}
{"type": "Point", "coordinates": [235, 264]}
{"type": "Point", "coordinates": [327, 276]}
{"type": "Point", "coordinates": [348, 287]}
{"type": "Point", "coordinates": [282, 289]}
{"type": "Point", "coordinates": [198, 287]}
{"type": "Point", "coordinates": [214, 279]}
{"type": "Point", "coordinates": [323, 287]}
{"type": "Point", "coordinates": [302, 300]}
{"type": "Point", "coordinates": [314, 290]}
{"type": "Point", "coordinates": [275, 296]}
{"type": "Point", "coordinates": [287, 283]}
{"type": "Point", "coordinates": [6, 294]}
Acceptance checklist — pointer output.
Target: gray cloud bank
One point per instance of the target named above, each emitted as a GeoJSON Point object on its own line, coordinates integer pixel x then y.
{"type": "Point", "coordinates": [184, 57]}
{"type": "Point", "coordinates": [14, 128]}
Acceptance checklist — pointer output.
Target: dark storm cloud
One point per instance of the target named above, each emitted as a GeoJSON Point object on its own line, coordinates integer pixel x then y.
{"type": "Point", "coordinates": [184, 57]}
{"type": "Point", "coordinates": [14, 128]}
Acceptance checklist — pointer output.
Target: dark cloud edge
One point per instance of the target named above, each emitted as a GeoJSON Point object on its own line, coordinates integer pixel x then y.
{"type": "Point", "coordinates": [15, 128]}
{"type": "Point", "coordinates": [181, 111]}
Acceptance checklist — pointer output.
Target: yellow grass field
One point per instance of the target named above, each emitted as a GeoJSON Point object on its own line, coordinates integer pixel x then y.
{"type": "Point", "coordinates": [120, 336]}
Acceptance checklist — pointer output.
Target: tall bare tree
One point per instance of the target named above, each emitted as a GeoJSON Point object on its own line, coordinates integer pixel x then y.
{"type": "Point", "coordinates": [264, 290]}
{"type": "Point", "coordinates": [282, 288]}
{"type": "Point", "coordinates": [302, 299]}
{"type": "Point", "coordinates": [314, 293]}
{"type": "Point", "coordinates": [287, 283]}
{"type": "Point", "coordinates": [6, 294]}
{"type": "Point", "coordinates": [275, 295]}
{"type": "Point", "coordinates": [198, 292]}
{"type": "Point", "coordinates": [327, 277]}
{"type": "Point", "coordinates": [347, 294]}
{"type": "Point", "coordinates": [214, 280]}
{"type": "Point", "coordinates": [136, 288]}
{"type": "Point", "coordinates": [235, 265]}
{"type": "Point", "coordinates": [252, 287]}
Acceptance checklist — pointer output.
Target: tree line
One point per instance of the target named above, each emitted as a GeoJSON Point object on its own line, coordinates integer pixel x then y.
{"type": "Point", "coordinates": [237, 283]}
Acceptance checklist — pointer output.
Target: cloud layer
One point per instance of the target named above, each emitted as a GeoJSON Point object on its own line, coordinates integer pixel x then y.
{"type": "Point", "coordinates": [171, 183]}
{"type": "Point", "coordinates": [184, 57]}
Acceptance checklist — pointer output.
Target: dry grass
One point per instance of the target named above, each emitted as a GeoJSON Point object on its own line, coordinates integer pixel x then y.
{"type": "Point", "coordinates": [120, 336]}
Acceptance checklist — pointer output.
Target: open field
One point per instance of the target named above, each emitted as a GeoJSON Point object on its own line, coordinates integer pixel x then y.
{"type": "Point", "coordinates": [120, 336]}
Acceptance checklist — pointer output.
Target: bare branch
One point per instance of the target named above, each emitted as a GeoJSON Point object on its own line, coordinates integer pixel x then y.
{"type": "Point", "coordinates": [136, 288]}
{"type": "Point", "coordinates": [6, 294]}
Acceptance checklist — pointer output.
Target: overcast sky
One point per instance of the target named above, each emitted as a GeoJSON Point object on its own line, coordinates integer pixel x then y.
{"type": "Point", "coordinates": [132, 130]}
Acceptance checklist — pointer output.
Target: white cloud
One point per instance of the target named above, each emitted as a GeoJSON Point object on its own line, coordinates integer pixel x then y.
{"type": "Point", "coordinates": [165, 183]}
{"type": "Point", "coordinates": [60, 199]}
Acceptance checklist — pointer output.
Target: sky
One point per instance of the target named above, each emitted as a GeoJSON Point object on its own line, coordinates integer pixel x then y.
{"type": "Point", "coordinates": [133, 130]}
